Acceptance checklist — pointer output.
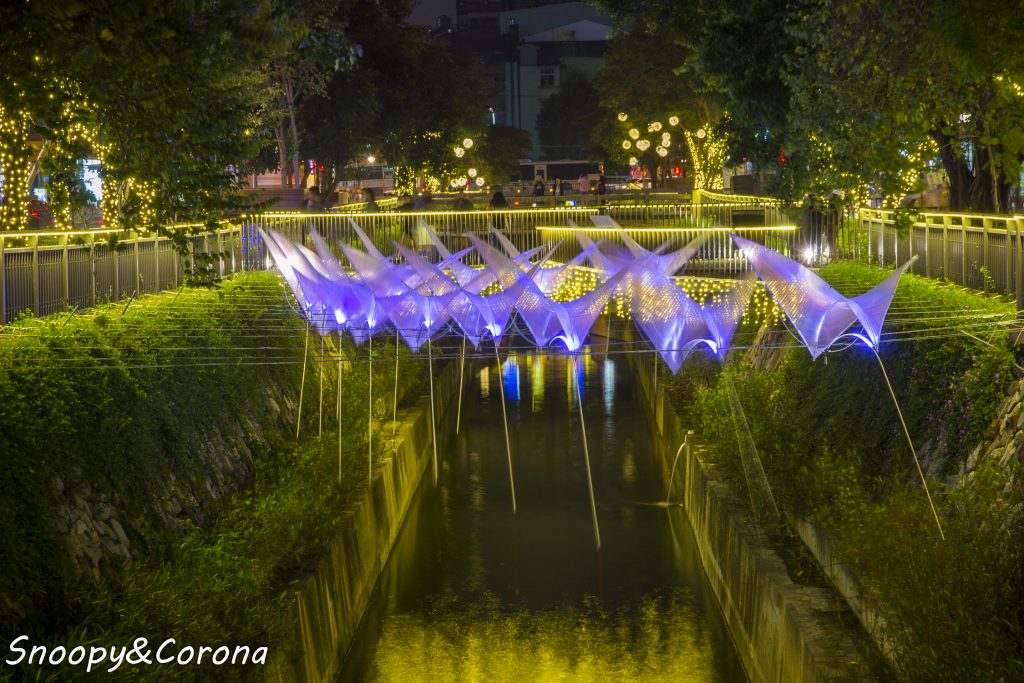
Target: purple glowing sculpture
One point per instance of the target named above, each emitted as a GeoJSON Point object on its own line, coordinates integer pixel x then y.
{"type": "Point", "coordinates": [819, 313]}
{"type": "Point", "coordinates": [547, 320]}
{"type": "Point", "coordinates": [415, 315]}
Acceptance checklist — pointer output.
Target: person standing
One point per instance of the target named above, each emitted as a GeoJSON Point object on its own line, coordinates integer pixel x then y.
{"type": "Point", "coordinates": [538, 186]}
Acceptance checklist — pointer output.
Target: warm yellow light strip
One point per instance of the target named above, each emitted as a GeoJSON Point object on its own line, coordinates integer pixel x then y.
{"type": "Point", "coordinates": [399, 214]}
{"type": "Point", "coordinates": [771, 228]}
{"type": "Point", "coordinates": [990, 216]}
{"type": "Point", "coordinates": [717, 196]}
{"type": "Point", "coordinates": [97, 231]}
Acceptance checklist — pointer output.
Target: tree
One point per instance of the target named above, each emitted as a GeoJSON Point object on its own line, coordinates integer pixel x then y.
{"type": "Point", "coordinates": [403, 95]}
{"type": "Point", "coordinates": [163, 91]}
{"type": "Point", "coordinates": [500, 151]}
{"type": "Point", "coordinates": [860, 96]}
{"type": "Point", "coordinates": [652, 102]}
{"type": "Point", "coordinates": [566, 120]}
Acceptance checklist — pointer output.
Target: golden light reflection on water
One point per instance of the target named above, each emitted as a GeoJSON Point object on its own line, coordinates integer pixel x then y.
{"type": "Point", "coordinates": [485, 382]}
{"type": "Point", "coordinates": [655, 640]}
{"type": "Point", "coordinates": [538, 382]}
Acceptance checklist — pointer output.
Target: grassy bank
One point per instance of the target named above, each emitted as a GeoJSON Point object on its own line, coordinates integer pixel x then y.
{"type": "Point", "coordinates": [833, 448]}
{"type": "Point", "coordinates": [177, 416]}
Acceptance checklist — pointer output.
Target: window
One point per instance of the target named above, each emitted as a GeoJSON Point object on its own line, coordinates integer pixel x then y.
{"type": "Point", "coordinates": [548, 77]}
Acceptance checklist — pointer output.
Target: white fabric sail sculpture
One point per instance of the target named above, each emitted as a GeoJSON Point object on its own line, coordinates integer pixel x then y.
{"type": "Point", "coordinates": [407, 275]}
{"type": "Point", "coordinates": [352, 304]}
{"type": "Point", "coordinates": [547, 278]}
{"type": "Point", "coordinates": [671, 320]}
{"type": "Point", "coordinates": [819, 313]}
{"type": "Point", "coordinates": [474, 314]}
{"type": "Point", "coordinates": [547, 320]}
{"type": "Point", "coordinates": [668, 264]}
{"type": "Point", "coordinates": [415, 315]}
{"type": "Point", "coordinates": [723, 316]}
{"type": "Point", "coordinates": [605, 257]}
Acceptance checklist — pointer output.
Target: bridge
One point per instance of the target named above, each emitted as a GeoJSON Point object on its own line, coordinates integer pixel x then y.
{"type": "Point", "coordinates": [52, 271]}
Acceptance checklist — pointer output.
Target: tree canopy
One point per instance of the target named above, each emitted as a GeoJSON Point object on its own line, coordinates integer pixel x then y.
{"type": "Point", "coordinates": [859, 97]}
{"type": "Point", "coordinates": [162, 92]}
{"type": "Point", "coordinates": [655, 109]}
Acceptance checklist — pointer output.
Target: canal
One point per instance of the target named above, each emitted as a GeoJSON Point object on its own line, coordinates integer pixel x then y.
{"type": "Point", "coordinates": [473, 592]}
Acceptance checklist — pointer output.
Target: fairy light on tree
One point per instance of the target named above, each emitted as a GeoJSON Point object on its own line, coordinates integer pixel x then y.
{"type": "Point", "coordinates": [707, 154]}
{"type": "Point", "coordinates": [15, 162]}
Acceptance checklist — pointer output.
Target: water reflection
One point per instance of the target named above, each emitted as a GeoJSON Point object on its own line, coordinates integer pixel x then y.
{"type": "Point", "coordinates": [609, 385]}
{"type": "Point", "coordinates": [538, 382]}
{"type": "Point", "coordinates": [485, 383]}
{"type": "Point", "coordinates": [655, 639]}
{"type": "Point", "coordinates": [487, 595]}
{"type": "Point", "coordinates": [510, 375]}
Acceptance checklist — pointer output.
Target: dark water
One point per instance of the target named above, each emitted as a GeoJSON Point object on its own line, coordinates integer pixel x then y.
{"type": "Point", "coordinates": [473, 592]}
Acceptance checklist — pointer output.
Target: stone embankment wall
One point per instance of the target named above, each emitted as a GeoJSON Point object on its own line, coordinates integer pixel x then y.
{"type": "Point", "coordinates": [783, 631]}
{"type": "Point", "coordinates": [101, 528]}
{"type": "Point", "coordinates": [330, 605]}
{"type": "Point", "coordinates": [1003, 445]}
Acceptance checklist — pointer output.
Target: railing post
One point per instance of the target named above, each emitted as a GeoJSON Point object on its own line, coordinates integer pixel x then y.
{"type": "Point", "coordinates": [3, 283]}
{"type": "Point", "coordinates": [138, 270]}
{"type": "Point", "coordinates": [963, 252]}
{"type": "Point", "coordinates": [1018, 275]}
{"type": "Point", "coordinates": [945, 247]}
{"type": "Point", "coordinates": [861, 221]}
{"type": "Point", "coordinates": [927, 248]}
{"type": "Point", "coordinates": [117, 275]}
{"type": "Point", "coordinates": [896, 244]}
{"type": "Point", "coordinates": [64, 264]}
{"type": "Point", "coordinates": [92, 269]}
{"type": "Point", "coordinates": [220, 255]}
{"type": "Point", "coordinates": [156, 262]}
{"type": "Point", "coordinates": [35, 274]}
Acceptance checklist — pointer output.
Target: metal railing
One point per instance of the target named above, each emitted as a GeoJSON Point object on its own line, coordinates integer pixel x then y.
{"type": "Point", "coordinates": [521, 226]}
{"type": "Point", "coordinates": [716, 256]}
{"type": "Point", "coordinates": [48, 272]}
{"type": "Point", "coordinates": [981, 252]}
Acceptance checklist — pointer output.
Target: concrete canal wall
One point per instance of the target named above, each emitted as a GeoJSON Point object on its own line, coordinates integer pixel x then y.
{"type": "Point", "coordinates": [328, 608]}
{"type": "Point", "coordinates": [783, 631]}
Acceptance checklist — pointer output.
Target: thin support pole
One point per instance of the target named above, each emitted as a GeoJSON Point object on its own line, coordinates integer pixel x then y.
{"type": "Point", "coordinates": [339, 403]}
{"type": "Point", "coordinates": [323, 359]}
{"type": "Point", "coordinates": [369, 420]}
{"type": "Point", "coordinates": [586, 454]}
{"type": "Point", "coordinates": [608, 330]}
{"type": "Point", "coordinates": [433, 422]}
{"type": "Point", "coordinates": [654, 375]}
{"type": "Point", "coordinates": [302, 386]}
{"type": "Point", "coordinates": [508, 441]}
{"type": "Point", "coordinates": [462, 374]}
{"type": "Point", "coordinates": [910, 443]}
{"type": "Point", "coordinates": [394, 403]}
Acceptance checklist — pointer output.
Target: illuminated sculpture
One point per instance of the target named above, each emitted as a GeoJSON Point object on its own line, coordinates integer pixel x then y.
{"type": "Point", "coordinates": [819, 313]}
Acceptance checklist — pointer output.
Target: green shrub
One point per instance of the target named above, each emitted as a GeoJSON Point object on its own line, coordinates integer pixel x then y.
{"type": "Point", "coordinates": [832, 447]}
